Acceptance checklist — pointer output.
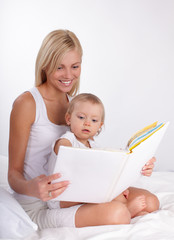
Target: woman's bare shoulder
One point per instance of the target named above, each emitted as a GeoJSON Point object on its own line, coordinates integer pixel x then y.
{"type": "Point", "coordinates": [24, 99]}
{"type": "Point", "coordinates": [24, 106]}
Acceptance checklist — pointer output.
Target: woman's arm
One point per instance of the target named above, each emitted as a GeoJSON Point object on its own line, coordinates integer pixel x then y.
{"type": "Point", "coordinates": [21, 119]}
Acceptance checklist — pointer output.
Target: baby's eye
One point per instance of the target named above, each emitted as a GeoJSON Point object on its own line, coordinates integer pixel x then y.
{"type": "Point", "coordinates": [94, 120]}
{"type": "Point", "coordinates": [80, 117]}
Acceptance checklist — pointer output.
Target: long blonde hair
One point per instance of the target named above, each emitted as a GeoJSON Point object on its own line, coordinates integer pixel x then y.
{"type": "Point", "coordinates": [55, 45]}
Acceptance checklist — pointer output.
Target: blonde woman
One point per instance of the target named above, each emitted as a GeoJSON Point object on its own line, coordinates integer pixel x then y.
{"type": "Point", "coordinates": [38, 119]}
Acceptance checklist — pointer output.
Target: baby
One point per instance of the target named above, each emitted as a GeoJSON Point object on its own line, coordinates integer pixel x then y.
{"type": "Point", "coordinates": [85, 117]}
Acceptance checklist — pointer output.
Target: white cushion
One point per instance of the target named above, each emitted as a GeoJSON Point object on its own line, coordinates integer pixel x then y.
{"type": "Point", "coordinates": [14, 222]}
{"type": "Point", "coordinates": [3, 170]}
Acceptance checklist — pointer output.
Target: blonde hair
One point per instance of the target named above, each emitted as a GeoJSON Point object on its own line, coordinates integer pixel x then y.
{"type": "Point", "coordinates": [85, 97]}
{"type": "Point", "coordinates": [55, 45]}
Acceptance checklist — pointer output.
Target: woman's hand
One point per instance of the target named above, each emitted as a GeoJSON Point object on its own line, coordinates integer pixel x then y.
{"type": "Point", "coordinates": [148, 167]}
{"type": "Point", "coordinates": [42, 188]}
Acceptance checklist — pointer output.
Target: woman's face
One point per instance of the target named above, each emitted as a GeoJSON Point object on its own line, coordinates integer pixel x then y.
{"type": "Point", "coordinates": [67, 72]}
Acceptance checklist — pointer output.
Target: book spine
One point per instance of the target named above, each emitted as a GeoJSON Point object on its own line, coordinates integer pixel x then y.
{"type": "Point", "coordinates": [111, 191]}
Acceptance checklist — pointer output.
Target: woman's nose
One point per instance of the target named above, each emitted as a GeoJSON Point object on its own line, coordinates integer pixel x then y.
{"type": "Point", "coordinates": [68, 74]}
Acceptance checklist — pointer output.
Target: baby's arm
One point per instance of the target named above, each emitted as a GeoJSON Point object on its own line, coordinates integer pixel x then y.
{"type": "Point", "coordinates": [61, 142]}
{"type": "Point", "coordinates": [64, 142]}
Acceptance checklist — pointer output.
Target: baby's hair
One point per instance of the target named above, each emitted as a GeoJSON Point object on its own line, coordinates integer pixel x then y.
{"type": "Point", "coordinates": [85, 97]}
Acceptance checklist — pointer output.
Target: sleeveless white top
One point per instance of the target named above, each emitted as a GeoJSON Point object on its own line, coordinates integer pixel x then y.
{"type": "Point", "coordinates": [76, 143]}
{"type": "Point", "coordinates": [43, 135]}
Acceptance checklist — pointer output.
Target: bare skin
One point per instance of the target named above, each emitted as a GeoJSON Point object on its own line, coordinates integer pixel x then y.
{"type": "Point", "coordinates": [120, 210]}
{"type": "Point", "coordinates": [21, 120]}
{"type": "Point", "coordinates": [111, 213]}
{"type": "Point", "coordinates": [137, 205]}
{"type": "Point", "coordinates": [22, 117]}
{"type": "Point", "coordinates": [54, 93]}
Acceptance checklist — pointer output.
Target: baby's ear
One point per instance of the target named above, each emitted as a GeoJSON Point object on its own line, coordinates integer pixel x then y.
{"type": "Point", "coordinates": [100, 128]}
{"type": "Point", "coordinates": [67, 118]}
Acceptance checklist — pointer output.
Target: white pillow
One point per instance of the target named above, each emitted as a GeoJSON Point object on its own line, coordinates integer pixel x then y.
{"type": "Point", "coordinates": [3, 171]}
{"type": "Point", "coordinates": [14, 222]}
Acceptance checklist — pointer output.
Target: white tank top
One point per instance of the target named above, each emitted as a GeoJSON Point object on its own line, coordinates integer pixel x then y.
{"type": "Point", "coordinates": [43, 135]}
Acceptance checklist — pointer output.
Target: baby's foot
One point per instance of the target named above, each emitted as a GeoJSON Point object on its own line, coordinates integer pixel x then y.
{"type": "Point", "coordinates": [136, 205]}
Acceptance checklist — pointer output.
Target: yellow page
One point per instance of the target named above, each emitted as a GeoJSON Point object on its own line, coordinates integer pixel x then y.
{"type": "Point", "coordinates": [142, 131]}
{"type": "Point", "coordinates": [143, 139]}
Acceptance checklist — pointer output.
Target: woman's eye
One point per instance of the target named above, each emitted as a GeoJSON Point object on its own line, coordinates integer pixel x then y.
{"type": "Point", "coordinates": [75, 66]}
{"type": "Point", "coordinates": [59, 68]}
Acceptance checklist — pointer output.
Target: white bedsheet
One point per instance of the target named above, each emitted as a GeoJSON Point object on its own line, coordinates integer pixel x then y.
{"type": "Point", "coordinates": [154, 226]}
{"type": "Point", "coordinates": [158, 225]}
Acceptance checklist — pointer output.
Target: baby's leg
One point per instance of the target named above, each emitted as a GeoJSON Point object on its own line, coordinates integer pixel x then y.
{"type": "Point", "coordinates": [152, 202]}
{"type": "Point", "coordinates": [126, 193]}
{"type": "Point", "coordinates": [136, 205]}
{"type": "Point", "coordinates": [122, 197]}
{"type": "Point", "coordinates": [111, 213]}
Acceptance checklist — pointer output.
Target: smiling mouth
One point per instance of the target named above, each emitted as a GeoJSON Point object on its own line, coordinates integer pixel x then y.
{"type": "Point", "coordinates": [66, 83]}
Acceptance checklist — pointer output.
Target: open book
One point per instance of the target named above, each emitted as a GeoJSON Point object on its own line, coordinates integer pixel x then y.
{"type": "Point", "coordinates": [98, 175]}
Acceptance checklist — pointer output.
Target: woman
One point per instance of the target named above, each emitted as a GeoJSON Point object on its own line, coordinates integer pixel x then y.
{"type": "Point", "coordinates": [37, 120]}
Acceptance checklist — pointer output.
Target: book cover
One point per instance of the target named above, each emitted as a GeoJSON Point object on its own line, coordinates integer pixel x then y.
{"type": "Point", "coordinates": [98, 175]}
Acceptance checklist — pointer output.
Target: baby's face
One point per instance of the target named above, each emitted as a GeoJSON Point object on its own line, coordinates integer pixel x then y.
{"type": "Point", "coordinates": [86, 119]}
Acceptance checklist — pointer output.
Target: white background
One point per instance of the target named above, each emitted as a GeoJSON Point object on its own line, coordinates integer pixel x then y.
{"type": "Point", "coordinates": [128, 61]}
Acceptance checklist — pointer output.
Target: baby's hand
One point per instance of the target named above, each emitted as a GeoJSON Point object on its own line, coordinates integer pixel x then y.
{"type": "Point", "coordinates": [148, 167]}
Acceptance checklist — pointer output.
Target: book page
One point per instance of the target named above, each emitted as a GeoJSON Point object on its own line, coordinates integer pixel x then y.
{"type": "Point", "coordinates": [144, 136]}
{"type": "Point", "coordinates": [141, 132]}
{"type": "Point", "coordinates": [98, 176]}
{"type": "Point", "coordinates": [137, 159]}
{"type": "Point", "coordinates": [91, 173]}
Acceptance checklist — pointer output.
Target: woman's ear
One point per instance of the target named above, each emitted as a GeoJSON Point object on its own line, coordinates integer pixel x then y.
{"type": "Point", "coordinates": [68, 118]}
